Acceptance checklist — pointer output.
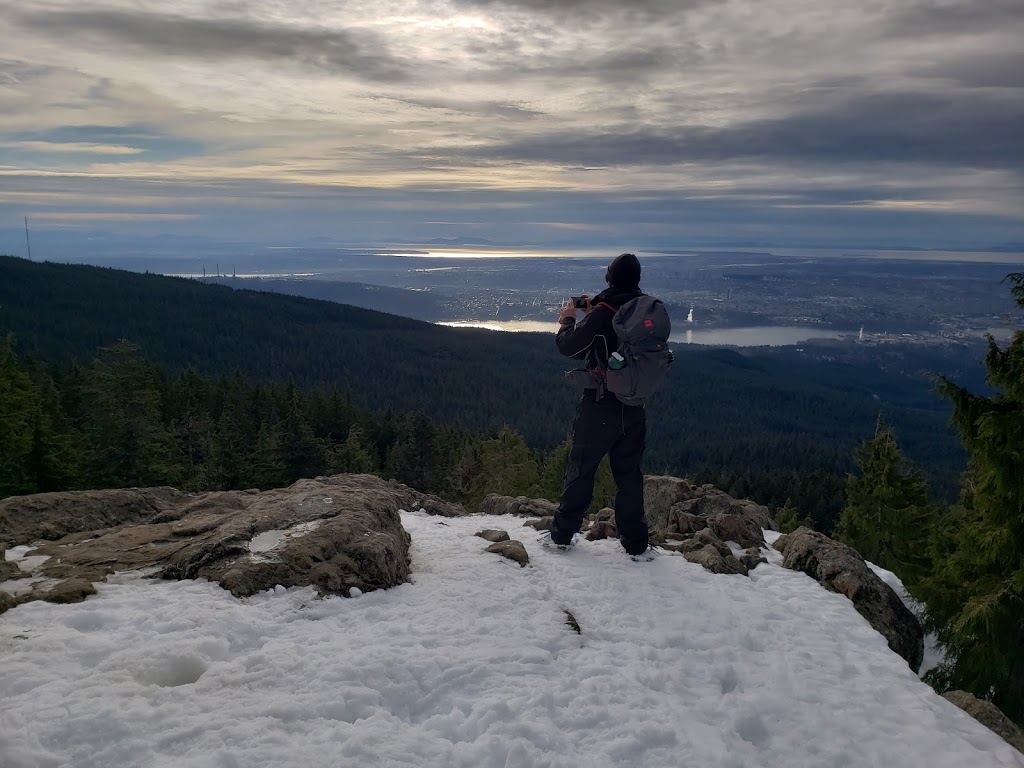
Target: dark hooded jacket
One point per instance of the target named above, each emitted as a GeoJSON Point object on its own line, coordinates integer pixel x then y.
{"type": "Point", "coordinates": [593, 339]}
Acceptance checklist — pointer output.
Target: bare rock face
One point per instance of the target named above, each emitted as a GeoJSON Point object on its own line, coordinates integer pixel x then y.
{"type": "Point", "coordinates": [8, 570]}
{"type": "Point", "coordinates": [739, 528]}
{"type": "Point", "coordinates": [334, 533]}
{"type": "Point", "coordinates": [602, 529]}
{"type": "Point", "coordinates": [709, 557]}
{"type": "Point", "coordinates": [493, 534]}
{"type": "Point", "coordinates": [493, 504]}
{"type": "Point", "coordinates": [988, 714]}
{"type": "Point", "coordinates": [24, 519]}
{"type": "Point", "coordinates": [841, 569]}
{"type": "Point", "coordinates": [512, 549]}
{"type": "Point", "coordinates": [676, 510]}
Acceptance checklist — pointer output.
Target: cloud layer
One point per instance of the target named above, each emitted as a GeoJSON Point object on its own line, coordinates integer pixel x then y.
{"type": "Point", "coordinates": [885, 112]}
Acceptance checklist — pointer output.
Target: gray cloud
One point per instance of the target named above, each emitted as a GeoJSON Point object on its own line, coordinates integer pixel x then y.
{"type": "Point", "coordinates": [579, 8]}
{"type": "Point", "coordinates": [959, 17]}
{"type": "Point", "coordinates": [355, 52]}
{"type": "Point", "coordinates": [990, 70]}
{"type": "Point", "coordinates": [974, 130]}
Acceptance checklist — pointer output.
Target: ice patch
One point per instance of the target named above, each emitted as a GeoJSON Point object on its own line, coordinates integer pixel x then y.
{"type": "Point", "coordinates": [19, 555]}
{"type": "Point", "coordinates": [16, 553]}
{"type": "Point", "coordinates": [19, 587]}
{"type": "Point", "coordinates": [268, 540]}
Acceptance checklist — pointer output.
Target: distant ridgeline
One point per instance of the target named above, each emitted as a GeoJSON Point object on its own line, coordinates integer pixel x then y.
{"type": "Point", "coordinates": [766, 426]}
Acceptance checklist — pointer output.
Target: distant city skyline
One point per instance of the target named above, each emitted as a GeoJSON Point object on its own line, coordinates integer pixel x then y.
{"type": "Point", "coordinates": [654, 122]}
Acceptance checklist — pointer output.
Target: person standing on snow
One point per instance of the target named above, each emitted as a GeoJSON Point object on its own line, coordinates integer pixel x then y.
{"type": "Point", "coordinates": [604, 425]}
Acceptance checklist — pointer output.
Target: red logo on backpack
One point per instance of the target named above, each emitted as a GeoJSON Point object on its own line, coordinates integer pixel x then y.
{"type": "Point", "coordinates": [648, 323]}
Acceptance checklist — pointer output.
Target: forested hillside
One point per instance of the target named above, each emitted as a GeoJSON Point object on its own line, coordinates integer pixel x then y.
{"type": "Point", "coordinates": [755, 426]}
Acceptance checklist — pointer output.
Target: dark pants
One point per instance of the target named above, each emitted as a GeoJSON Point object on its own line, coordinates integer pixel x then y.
{"type": "Point", "coordinates": [620, 431]}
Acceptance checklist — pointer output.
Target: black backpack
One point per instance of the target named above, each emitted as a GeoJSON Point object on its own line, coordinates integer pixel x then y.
{"type": "Point", "coordinates": [642, 326]}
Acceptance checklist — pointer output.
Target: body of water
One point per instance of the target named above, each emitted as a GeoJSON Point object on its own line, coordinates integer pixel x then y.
{"type": "Point", "coordinates": [763, 336]}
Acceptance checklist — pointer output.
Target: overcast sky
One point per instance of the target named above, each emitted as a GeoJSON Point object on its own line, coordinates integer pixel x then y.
{"type": "Point", "coordinates": [626, 121]}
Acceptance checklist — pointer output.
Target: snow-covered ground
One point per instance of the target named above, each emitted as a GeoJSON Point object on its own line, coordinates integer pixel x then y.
{"type": "Point", "coordinates": [474, 665]}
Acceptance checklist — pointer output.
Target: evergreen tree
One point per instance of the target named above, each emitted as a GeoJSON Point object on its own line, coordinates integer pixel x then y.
{"type": "Point", "coordinates": [975, 597]}
{"type": "Point", "coordinates": [302, 451]}
{"type": "Point", "coordinates": [229, 451]}
{"type": "Point", "coordinates": [787, 518]}
{"type": "Point", "coordinates": [351, 456]}
{"type": "Point", "coordinates": [888, 515]}
{"type": "Point", "coordinates": [55, 461]}
{"type": "Point", "coordinates": [267, 468]}
{"type": "Point", "coordinates": [17, 422]}
{"type": "Point", "coordinates": [553, 473]}
{"type": "Point", "coordinates": [506, 468]}
{"type": "Point", "coordinates": [129, 444]}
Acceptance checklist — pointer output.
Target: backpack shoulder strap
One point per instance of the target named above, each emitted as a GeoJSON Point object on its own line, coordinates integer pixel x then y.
{"type": "Point", "coordinates": [608, 306]}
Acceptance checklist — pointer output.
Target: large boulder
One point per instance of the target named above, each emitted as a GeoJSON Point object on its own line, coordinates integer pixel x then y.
{"type": "Point", "coordinates": [675, 505]}
{"type": "Point", "coordinates": [841, 569]}
{"type": "Point", "coordinates": [334, 533]}
{"type": "Point", "coordinates": [494, 504]}
{"type": "Point", "coordinates": [989, 715]}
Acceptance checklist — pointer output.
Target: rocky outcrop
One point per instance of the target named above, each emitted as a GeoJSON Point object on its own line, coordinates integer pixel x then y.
{"type": "Point", "coordinates": [333, 533]}
{"type": "Point", "coordinates": [677, 511]}
{"type": "Point", "coordinates": [513, 550]}
{"type": "Point", "coordinates": [671, 504]}
{"type": "Point", "coordinates": [840, 569]}
{"type": "Point", "coordinates": [493, 504]}
{"type": "Point", "coordinates": [988, 714]}
{"type": "Point", "coordinates": [24, 519]}
{"type": "Point", "coordinates": [706, 549]}
{"type": "Point", "coordinates": [493, 534]}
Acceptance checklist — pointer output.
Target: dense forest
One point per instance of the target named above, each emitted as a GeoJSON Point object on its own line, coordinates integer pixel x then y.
{"type": "Point", "coordinates": [766, 427]}
{"type": "Point", "coordinates": [123, 421]}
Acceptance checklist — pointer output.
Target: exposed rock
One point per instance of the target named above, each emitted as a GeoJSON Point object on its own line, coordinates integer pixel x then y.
{"type": "Point", "coordinates": [512, 549]}
{"type": "Point", "coordinates": [8, 570]}
{"type": "Point", "coordinates": [493, 504]}
{"type": "Point", "coordinates": [739, 528]}
{"type": "Point", "coordinates": [664, 495]}
{"type": "Point", "coordinates": [839, 568]}
{"type": "Point", "coordinates": [539, 523]}
{"type": "Point", "coordinates": [709, 557]}
{"type": "Point", "coordinates": [683, 523]}
{"type": "Point", "coordinates": [493, 534]}
{"type": "Point", "coordinates": [989, 715]}
{"type": "Point", "coordinates": [602, 530]}
{"type": "Point", "coordinates": [333, 533]}
{"type": "Point", "coordinates": [73, 590]}
{"type": "Point", "coordinates": [752, 558]}
{"type": "Point", "coordinates": [433, 505]}
{"type": "Point", "coordinates": [781, 542]}
{"type": "Point", "coordinates": [604, 514]}
{"type": "Point", "coordinates": [661, 492]}
{"type": "Point", "coordinates": [706, 537]}
{"type": "Point", "coordinates": [24, 519]}
{"type": "Point", "coordinates": [7, 601]}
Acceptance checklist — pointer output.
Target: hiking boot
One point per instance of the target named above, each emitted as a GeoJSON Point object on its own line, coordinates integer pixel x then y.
{"type": "Point", "coordinates": [646, 556]}
{"type": "Point", "coordinates": [545, 540]}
